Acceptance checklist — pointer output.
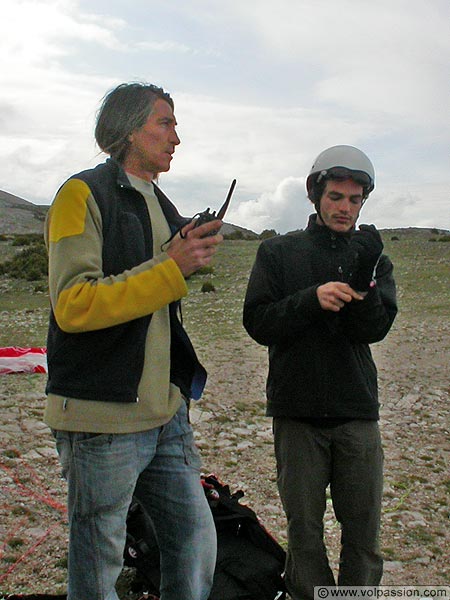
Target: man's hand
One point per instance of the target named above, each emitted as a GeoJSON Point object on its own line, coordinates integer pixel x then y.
{"type": "Point", "coordinates": [335, 294]}
{"type": "Point", "coordinates": [368, 245]}
{"type": "Point", "coordinates": [192, 250]}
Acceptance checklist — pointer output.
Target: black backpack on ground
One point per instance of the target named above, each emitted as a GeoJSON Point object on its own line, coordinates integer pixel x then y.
{"type": "Point", "coordinates": [250, 562]}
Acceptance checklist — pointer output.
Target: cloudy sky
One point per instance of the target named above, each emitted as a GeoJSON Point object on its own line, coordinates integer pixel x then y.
{"type": "Point", "coordinates": [260, 88]}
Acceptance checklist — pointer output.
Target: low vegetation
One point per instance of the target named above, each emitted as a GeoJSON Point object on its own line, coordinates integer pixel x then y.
{"type": "Point", "coordinates": [421, 271]}
{"type": "Point", "coordinates": [29, 261]}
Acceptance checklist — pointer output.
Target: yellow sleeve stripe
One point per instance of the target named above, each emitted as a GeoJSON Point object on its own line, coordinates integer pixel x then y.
{"type": "Point", "coordinates": [91, 306]}
{"type": "Point", "coordinates": [68, 212]}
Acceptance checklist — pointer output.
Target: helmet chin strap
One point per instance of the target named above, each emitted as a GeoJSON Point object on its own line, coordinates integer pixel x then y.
{"type": "Point", "coordinates": [317, 207]}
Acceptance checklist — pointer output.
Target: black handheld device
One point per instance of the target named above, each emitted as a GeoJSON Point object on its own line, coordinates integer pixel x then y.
{"type": "Point", "coordinates": [206, 216]}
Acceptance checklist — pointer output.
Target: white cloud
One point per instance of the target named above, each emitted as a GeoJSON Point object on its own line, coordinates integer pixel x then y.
{"type": "Point", "coordinates": [40, 32]}
{"type": "Point", "coordinates": [386, 56]}
{"type": "Point", "coordinates": [166, 46]}
{"type": "Point", "coordinates": [409, 206]}
{"type": "Point", "coordinates": [47, 111]}
{"type": "Point", "coordinates": [285, 209]}
{"type": "Point", "coordinates": [256, 144]}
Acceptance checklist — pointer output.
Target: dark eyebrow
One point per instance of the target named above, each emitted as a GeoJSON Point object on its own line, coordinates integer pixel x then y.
{"type": "Point", "coordinates": [334, 195]}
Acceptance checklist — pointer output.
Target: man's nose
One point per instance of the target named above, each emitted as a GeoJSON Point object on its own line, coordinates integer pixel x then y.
{"type": "Point", "coordinates": [175, 138]}
{"type": "Point", "coordinates": [344, 204]}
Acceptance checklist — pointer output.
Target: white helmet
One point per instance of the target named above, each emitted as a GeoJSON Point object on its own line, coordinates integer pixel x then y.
{"type": "Point", "coordinates": [342, 162]}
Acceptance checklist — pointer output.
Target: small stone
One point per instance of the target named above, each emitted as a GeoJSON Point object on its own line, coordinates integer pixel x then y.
{"type": "Point", "coordinates": [392, 565]}
{"type": "Point", "coordinates": [244, 445]}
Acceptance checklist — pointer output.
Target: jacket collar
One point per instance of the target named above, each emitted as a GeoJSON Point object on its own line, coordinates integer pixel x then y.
{"type": "Point", "coordinates": [171, 213]}
{"type": "Point", "coordinates": [315, 228]}
{"type": "Point", "coordinates": [121, 177]}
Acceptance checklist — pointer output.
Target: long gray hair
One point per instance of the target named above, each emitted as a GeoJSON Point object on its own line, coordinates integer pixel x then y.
{"type": "Point", "coordinates": [123, 110]}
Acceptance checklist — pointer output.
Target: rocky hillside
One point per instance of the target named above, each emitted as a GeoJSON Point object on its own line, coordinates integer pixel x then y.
{"type": "Point", "coordinates": [20, 216]}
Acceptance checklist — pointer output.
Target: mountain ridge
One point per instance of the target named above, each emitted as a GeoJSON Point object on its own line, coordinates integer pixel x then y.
{"type": "Point", "coordinates": [19, 216]}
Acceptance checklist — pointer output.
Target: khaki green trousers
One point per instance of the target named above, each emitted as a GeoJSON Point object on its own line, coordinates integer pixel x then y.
{"type": "Point", "coordinates": [348, 458]}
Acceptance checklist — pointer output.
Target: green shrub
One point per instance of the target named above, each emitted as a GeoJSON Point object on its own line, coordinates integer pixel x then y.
{"type": "Point", "coordinates": [234, 235]}
{"type": "Point", "coordinates": [40, 288]}
{"type": "Point", "coordinates": [208, 286]}
{"type": "Point", "coordinates": [62, 562]}
{"type": "Point", "coordinates": [267, 233]}
{"type": "Point", "coordinates": [27, 239]}
{"type": "Point", "coordinates": [206, 270]}
{"type": "Point", "coordinates": [29, 264]}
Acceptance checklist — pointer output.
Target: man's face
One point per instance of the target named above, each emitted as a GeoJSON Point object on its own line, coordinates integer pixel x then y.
{"type": "Point", "coordinates": [340, 205]}
{"type": "Point", "coordinates": [153, 144]}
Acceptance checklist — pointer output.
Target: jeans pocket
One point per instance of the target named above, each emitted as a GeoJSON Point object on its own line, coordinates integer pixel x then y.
{"type": "Point", "coordinates": [103, 472]}
{"type": "Point", "coordinates": [63, 440]}
{"type": "Point", "coordinates": [92, 439]}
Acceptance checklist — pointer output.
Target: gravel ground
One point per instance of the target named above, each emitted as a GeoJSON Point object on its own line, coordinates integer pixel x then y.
{"type": "Point", "coordinates": [236, 443]}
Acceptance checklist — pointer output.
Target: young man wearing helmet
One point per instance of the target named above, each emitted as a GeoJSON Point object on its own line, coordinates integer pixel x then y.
{"type": "Point", "coordinates": [317, 298]}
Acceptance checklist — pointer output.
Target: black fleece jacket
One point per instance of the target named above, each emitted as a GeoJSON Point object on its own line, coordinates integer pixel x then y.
{"type": "Point", "coordinates": [106, 364]}
{"type": "Point", "coordinates": [320, 364]}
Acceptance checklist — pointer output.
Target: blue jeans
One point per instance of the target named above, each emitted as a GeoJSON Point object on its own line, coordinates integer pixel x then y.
{"type": "Point", "coordinates": [163, 466]}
